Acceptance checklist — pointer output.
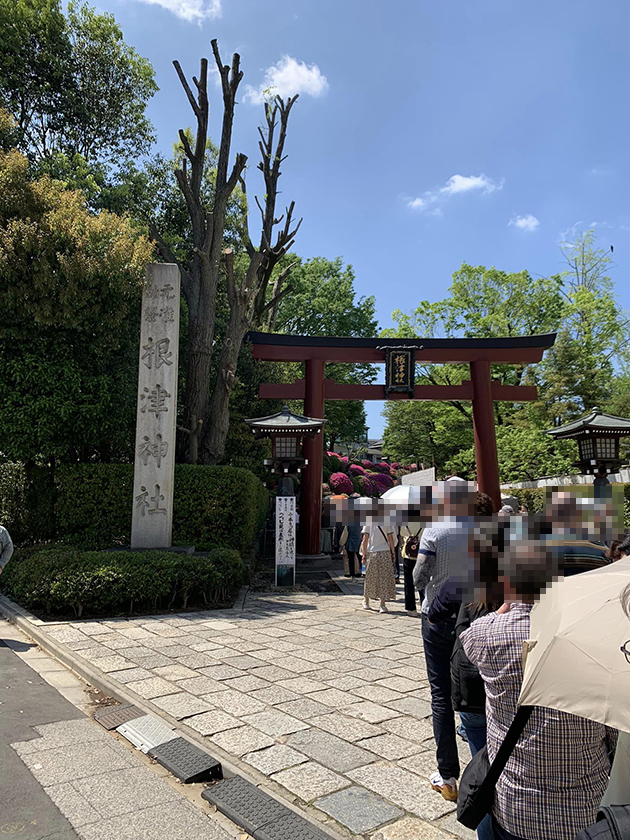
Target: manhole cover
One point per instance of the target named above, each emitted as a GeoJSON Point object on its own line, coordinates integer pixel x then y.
{"type": "Point", "coordinates": [111, 717]}
{"type": "Point", "coordinates": [186, 761]}
{"type": "Point", "coordinates": [244, 804]}
{"type": "Point", "coordinates": [146, 732]}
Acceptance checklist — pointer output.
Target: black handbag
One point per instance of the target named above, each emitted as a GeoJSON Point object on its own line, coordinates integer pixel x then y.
{"type": "Point", "coordinates": [613, 823]}
{"type": "Point", "coordinates": [479, 779]}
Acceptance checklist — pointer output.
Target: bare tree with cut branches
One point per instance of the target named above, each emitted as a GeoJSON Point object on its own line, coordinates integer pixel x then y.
{"type": "Point", "coordinates": [251, 301]}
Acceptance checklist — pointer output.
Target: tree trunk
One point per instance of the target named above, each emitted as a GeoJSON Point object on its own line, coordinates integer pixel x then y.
{"type": "Point", "coordinates": [214, 433]}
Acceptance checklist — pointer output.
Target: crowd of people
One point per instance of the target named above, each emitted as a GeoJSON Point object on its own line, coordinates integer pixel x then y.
{"type": "Point", "coordinates": [478, 576]}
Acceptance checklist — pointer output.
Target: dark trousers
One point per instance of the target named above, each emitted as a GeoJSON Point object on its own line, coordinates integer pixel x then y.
{"type": "Point", "coordinates": [410, 590]}
{"type": "Point", "coordinates": [397, 561]}
{"type": "Point", "coordinates": [500, 833]}
{"type": "Point", "coordinates": [438, 640]}
{"type": "Point", "coordinates": [354, 563]}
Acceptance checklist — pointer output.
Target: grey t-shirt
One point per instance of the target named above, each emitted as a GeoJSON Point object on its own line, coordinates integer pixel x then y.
{"type": "Point", "coordinates": [443, 552]}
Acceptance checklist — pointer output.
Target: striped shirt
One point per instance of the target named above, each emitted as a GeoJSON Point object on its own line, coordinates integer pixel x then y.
{"type": "Point", "coordinates": [557, 774]}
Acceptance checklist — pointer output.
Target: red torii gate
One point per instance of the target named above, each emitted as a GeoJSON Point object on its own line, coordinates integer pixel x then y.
{"type": "Point", "coordinates": [479, 353]}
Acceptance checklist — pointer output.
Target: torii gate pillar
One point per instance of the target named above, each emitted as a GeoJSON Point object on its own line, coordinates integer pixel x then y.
{"type": "Point", "coordinates": [311, 495]}
{"type": "Point", "coordinates": [485, 437]}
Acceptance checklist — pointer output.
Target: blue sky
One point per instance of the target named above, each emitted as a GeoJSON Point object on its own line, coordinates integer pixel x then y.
{"type": "Point", "coordinates": [427, 133]}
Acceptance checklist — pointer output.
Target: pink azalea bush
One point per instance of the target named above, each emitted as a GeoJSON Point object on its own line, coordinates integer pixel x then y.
{"type": "Point", "coordinates": [383, 482]}
{"type": "Point", "coordinates": [340, 483]}
{"type": "Point", "coordinates": [356, 469]}
{"type": "Point", "coordinates": [365, 485]}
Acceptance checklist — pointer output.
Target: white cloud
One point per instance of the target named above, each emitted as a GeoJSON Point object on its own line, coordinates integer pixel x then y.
{"type": "Point", "coordinates": [194, 11]}
{"type": "Point", "coordinates": [528, 223]}
{"type": "Point", "coordinates": [455, 185]}
{"type": "Point", "coordinates": [288, 77]}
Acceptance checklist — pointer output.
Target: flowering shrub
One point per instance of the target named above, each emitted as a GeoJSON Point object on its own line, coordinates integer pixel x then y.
{"type": "Point", "coordinates": [356, 469]}
{"type": "Point", "coordinates": [383, 482]}
{"type": "Point", "coordinates": [364, 485]}
{"type": "Point", "coordinates": [340, 483]}
{"type": "Point", "coordinates": [366, 463]}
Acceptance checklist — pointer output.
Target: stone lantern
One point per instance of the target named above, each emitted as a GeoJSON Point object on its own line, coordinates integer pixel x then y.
{"type": "Point", "coordinates": [597, 436]}
{"type": "Point", "coordinates": [286, 431]}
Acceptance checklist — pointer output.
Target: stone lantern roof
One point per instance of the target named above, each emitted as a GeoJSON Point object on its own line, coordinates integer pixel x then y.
{"type": "Point", "coordinates": [285, 422]}
{"type": "Point", "coordinates": [596, 422]}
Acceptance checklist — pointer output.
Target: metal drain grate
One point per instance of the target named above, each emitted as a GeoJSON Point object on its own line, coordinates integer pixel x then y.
{"type": "Point", "coordinates": [146, 732]}
{"type": "Point", "coordinates": [259, 814]}
{"type": "Point", "coordinates": [111, 717]}
{"type": "Point", "coordinates": [186, 761]}
{"type": "Point", "coordinates": [290, 827]}
{"type": "Point", "coordinates": [244, 804]}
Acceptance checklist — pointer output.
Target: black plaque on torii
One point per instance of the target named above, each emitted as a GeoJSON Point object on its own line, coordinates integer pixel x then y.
{"type": "Point", "coordinates": [400, 369]}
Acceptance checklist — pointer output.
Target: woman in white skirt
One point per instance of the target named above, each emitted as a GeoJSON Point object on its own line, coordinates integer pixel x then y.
{"type": "Point", "coordinates": [377, 549]}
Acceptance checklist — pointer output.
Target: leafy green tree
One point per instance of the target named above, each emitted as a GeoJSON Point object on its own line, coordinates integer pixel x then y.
{"type": "Point", "coordinates": [77, 91]}
{"type": "Point", "coordinates": [70, 286]}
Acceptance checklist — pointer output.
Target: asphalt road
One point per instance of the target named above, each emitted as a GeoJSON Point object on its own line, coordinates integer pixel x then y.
{"type": "Point", "coordinates": [26, 700]}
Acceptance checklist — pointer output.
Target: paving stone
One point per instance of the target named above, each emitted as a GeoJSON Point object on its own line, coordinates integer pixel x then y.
{"type": "Point", "coordinates": [132, 674]}
{"type": "Point", "coordinates": [345, 665]}
{"type": "Point", "coordinates": [152, 660]}
{"type": "Point", "coordinates": [358, 809]}
{"type": "Point", "coordinates": [244, 662]}
{"type": "Point", "coordinates": [366, 646]}
{"type": "Point", "coordinates": [370, 675]}
{"type": "Point", "coordinates": [275, 723]}
{"type": "Point", "coordinates": [350, 729]}
{"type": "Point", "coordinates": [412, 706]}
{"type": "Point", "coordinates": [303, 708]}
{"type": "Point", "coordinates": [159, 628]}
{"type": "Point", "coordinates": [411, 828]}
{"type": "Point", "coordinates": [186, 761]}
{"type": "Point", "coordinates": [310, 781]}
{"type": "Point", "coordinates": [210, 723]}
{"type": "Point", "coordinates": [303, 685]}
{"type": "Point", "coordinates": [390, 747]}
{"type": "Point", "coordinates": [377, 693]}
{"type": "Point", "coordinates": [153, 687]}
{"type": "Point", "coordinates": [124, 791]}
{"type": "Point", "coordinates": [248, 684]}
{"type": "Point", "coordinates": [209, 647]}
{"type": "Point", "coordinates": [114, 641]}
{"type": "Point", "coordinates": [66, 634]}
{"type": "Point", "coordinates": [67, 732]}
{"type": "Point", "coordinates": [243, 740]}
{"type": "Point", "coordinates": [93, 653]}
{"type": "Point", "coordinates": [405, 789]}
{"type": "Point", "coordinates": [346, 683]}
{"type": "Point", "coordinates": [65, 764]}
{"type": "Point", "coordinates": [273, 673]}
{"type": "Point", "coordinates": [177, 651]}
{"type": "Point", "coordinates": [298, 666]}
{"type": "Point", "coordinates": [235, 702]}
{"type": "Point", "coordinates": [274, 695]}
{"type": "Point", "coordinates": [378, 663]}
{"type": "Point", "coordinates": [275, 758]}
{"type": "Point", "coordinates": [371, 712]}
{"type": "Point", "coordinates": [419, 731]}
{"type": "Point", "coordinates": [330, 750]}
{"type": "Point", "coordinates": [72, 805]}
{"type": "Point", "coordinates": [333, 697]}
{"type": "Point", "coordinates": [400, 684]}
{"type": "Point", "coordinates": [181, 820]}
{"type": "Point", "coordinates": [136, 633]}
{"type": "Point", "coordinates": [174, 672]}
{"type": "Point", "coordinates": [201, 685]}
{"type": "Point", "coordinates": [199, 661]}
{"type": "Point", "coordinates": [221, 672]}
{"type": "Point", "coordinates": [109, 664]}
{"type": "Point", "coordinates": [421, 763]}
{"type": "Point", "coordinates": [182, 705]}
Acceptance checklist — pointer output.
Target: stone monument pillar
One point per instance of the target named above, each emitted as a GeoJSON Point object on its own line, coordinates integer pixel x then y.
{"type": "Point", "coordinates": [154, 471]}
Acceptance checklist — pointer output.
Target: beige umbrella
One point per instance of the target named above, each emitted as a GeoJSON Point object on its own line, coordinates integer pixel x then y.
{"type": "Point", "coordinates": [573, 661]}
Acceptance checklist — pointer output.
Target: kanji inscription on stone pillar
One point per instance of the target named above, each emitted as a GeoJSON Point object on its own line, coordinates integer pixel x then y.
{"type": "Point", "coordinates": [152, 518]}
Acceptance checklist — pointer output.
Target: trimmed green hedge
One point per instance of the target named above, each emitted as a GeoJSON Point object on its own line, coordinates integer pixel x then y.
{"type": "Point", "coordinates": [89, 505]}
{"type": "Point", "coordinates": [65, 581]}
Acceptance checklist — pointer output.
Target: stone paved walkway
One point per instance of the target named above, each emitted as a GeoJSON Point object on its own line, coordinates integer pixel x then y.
{"type": "Point", "coordinates": [329, 702]}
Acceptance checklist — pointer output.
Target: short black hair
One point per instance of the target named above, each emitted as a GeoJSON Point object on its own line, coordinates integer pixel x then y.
{"type": "Point", "coordinates": [531, 568]}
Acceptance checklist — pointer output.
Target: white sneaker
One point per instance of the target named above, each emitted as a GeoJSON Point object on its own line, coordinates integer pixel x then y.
{"type": "Point", "coordinates": [413, 613]}
{"type": "Point", "coordinates": [366, 606]}
{"type": "Point", "coordinates": [447, 787]}
{"type": "Point", "coordinates": [383, 609]}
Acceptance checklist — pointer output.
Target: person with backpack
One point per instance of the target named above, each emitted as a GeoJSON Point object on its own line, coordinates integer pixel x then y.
{"type": "Point", "coordinates": [409, 542]}
{"type": "Point", "coordinates": [6, 547]}
{"type": "Point", "coordinates": [377, 551]}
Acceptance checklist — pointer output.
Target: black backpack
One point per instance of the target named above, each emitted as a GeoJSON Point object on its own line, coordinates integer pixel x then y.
{"type": "Point", "coordinates": [613, 823]}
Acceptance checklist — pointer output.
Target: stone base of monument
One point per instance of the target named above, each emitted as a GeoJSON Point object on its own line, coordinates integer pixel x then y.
{"type": "Point", "coordinates": [176, 549]}
{"type": "Point", "coordinates": [314, 561]}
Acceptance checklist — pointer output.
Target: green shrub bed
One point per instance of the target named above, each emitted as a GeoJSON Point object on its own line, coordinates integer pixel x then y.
{"type": "Point", "coordinates": [65, 581]}
{"type": "Point", "coordinates": [89, 505]}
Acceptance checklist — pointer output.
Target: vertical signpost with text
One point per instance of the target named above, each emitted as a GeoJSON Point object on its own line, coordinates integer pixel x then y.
{"type": "Point", "coordinates": [152, 520]}
{"type": "Point", "coordinates": [285, 540]}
